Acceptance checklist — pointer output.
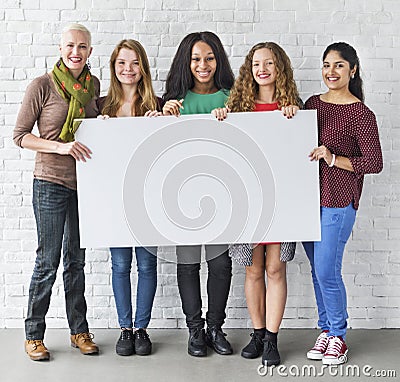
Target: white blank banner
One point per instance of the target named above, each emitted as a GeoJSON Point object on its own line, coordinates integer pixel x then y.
{"type": "Point", "coordinates": [194, 180]}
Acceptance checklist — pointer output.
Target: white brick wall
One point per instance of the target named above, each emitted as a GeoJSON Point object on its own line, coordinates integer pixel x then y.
{"type": "Point", "coordinates": [29, 34]}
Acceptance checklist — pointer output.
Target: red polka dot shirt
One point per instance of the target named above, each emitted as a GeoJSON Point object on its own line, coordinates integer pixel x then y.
{"type": "Point", "coordinates": [350, 131]}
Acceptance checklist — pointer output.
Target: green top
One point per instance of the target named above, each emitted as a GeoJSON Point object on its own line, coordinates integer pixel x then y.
{"type": "Point", "coordinates": [195, 103]}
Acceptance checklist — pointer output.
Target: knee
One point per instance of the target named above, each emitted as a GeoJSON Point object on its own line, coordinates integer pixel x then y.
{"type": "Point", "coordinates": [188, 269]}
{"type": "Point", "coordinates": [221, 265]}
{"type": "Point", "coordinates": [147, 266]}
{"type": "Point", "coordinates": [327, 276]}
{"type": "Point", "coordinates": [276, 272]}
{"type": "Point", "coordinates": [255, 272]}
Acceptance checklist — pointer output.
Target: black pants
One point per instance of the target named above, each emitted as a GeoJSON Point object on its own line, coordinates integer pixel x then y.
{"type": "Point", "coordinates": [218, 284]}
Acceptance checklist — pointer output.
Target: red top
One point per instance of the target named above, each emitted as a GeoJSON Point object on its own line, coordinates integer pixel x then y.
{"type": "Point", "coordinates": [351, 131]}
{"type": "Point", "coordinates": [266, 106]}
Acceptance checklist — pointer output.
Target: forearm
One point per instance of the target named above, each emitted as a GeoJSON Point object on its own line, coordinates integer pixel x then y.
{"type": "Point", "coordinates": [343, 163]}
{"type": "Point", "coordinates": [32, 142]}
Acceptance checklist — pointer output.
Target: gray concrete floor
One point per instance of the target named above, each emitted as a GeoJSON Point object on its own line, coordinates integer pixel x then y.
{"type": "Point", "coordinates": [372, 352]}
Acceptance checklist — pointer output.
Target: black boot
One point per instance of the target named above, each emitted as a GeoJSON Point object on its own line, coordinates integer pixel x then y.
{"type": "Point", "coordinates": [255, 347]}
{"type": "Point", "coordinates": [197, 346]}
{"type": "Point", "coordinates": [215, 338]}
{"type": "Point", "coordinates": [270, 354]}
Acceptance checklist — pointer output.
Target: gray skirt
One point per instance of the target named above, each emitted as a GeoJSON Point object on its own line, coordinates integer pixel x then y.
{"type": "Point", "coordinates": [243, 253]}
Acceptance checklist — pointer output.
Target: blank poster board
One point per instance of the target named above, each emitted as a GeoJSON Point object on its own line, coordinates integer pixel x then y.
{"type": "Point", "coordinates": [195, 180]}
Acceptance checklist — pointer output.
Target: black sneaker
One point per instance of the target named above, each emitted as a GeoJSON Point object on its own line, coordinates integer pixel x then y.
{"type": "Point", "coordinates": [142, 342]}
{"type": "Point", "coordinates": [255, 347]}
{"type": "Point", "coordinates": [270, 355]}
{"type": "Point", "coordinates": [125, 344]}
{"type": "Point", "coordinates": [215, 339]}
{"type": "Point", "coordinates": [197, 346]}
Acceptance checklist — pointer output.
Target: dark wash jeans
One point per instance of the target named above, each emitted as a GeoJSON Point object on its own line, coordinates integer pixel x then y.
{"type": "Point", "coordinates": [56, 214]}
{"type": "Point", "coordinates": [218, 284]}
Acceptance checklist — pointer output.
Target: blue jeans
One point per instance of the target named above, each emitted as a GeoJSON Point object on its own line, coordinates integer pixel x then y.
{"type": "Point", "coordinates": [326, 268]}
{"type": "Point", "coordinates": [146, 259]}
{"type": "Point", "coordinates": [56, 213]}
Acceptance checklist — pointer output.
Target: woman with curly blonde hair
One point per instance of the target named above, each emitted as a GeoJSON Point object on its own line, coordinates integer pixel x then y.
{"type": "Point", "coordinates": [245, 94]}
{"type": "Point", "coordinates": [265, 83]}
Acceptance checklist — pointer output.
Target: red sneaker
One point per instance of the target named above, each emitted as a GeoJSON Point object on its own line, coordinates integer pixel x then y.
{"type": "Point", "coordinates": [319, 349]}
{"type": "Point", "coordinates": [336, 353]}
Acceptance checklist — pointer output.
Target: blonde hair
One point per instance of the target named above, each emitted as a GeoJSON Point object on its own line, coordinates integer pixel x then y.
{"type": "Point", "coordinates": [77, 27]}
{"type": "Point", "coordinates": [244, 92]}
{"type": "Point", "coordinates": [146, 98]}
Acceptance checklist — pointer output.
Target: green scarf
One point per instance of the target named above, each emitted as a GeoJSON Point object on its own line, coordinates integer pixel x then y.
{"type": "Point", "coordinates": [76, 92]}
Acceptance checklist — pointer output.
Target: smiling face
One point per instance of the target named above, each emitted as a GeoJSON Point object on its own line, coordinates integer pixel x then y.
{"type": "Point", "coordinates": [336, 71]}
{"type": "Point", "coordinates": [203, 64]}
{"type": "Point", "coordinates": [75, 50]}
{"type": "Point", "coordinates": [263, 67]}
{"type": "Point", "coordinates": [127, 67]}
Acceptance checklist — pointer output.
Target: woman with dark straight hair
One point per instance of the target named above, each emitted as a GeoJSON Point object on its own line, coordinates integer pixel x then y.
{"type": "Point", "coordinates": [348, 149]}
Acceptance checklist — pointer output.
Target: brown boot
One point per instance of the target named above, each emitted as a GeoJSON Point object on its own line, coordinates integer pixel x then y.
{"type": "Point", "coordinates": [84, 342]}
{"type": "Point", "coordinates": [36, 350]}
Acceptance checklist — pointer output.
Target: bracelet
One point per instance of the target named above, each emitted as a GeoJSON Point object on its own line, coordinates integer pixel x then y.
{"type": "Point", "coordinates": [333, 160]}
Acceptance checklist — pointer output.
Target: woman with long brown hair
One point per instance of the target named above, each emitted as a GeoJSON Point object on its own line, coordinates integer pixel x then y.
{"type": "Point", "coordinates": [131, 94]}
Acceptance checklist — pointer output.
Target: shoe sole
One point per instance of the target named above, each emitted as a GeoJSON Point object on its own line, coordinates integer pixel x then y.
{"type": "Point", "coordinates": [39, 358]}
{"type": "Point", "coordinates": [124, 353]}
{"type": "Point", "coordinates": [197, 354]}
{"type": "Point", "coordinates": [335, 361]}
{"type": "Point", "coordinates": [270, 363]}
{"type": "Point", "coordinates": [92, 352]}
{"type": "Point", "coordinates": [315, 356]}
{"type": "Point", "coordinates": [250, 355]}
{"type": "Point", "coordinates": [209, 344]}
{"type": "Point", "coordinates": [146, 352]}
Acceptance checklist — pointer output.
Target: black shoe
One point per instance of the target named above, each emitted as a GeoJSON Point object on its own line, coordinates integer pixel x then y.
{"type": "Point", "coordinates": [125, 344]}
{"type": "Point", "coordinates": [254, 348]}
{"type": "Point", "coordinates": [142, 342]}
{"type": "Point", "coordinates": [215, 338]}
{"type": "Point", "coordinates": [197, 346]}
{"type": "Point", "coordinates": [270, 354]}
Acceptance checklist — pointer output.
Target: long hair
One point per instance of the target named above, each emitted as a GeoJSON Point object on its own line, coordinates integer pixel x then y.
{"type": "Point", "coordinates": [180, 78]}
{"type": "Point", "coordinates": [349, 54]}
{"type": "Point", "coordinates": [245, 89]}
{"type": "Point", "coordinates": [146, 98]}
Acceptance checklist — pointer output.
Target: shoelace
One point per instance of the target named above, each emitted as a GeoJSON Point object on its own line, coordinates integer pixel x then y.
{"type": "Point", "coordinates": [126, 334]}
{"type": "Point", "coordinates": [85, 337]}
{"type": "Point", "coordinates": [321, 342]}
{"type": "Point", "coordinates": [36, 343]}
{"type": "Point", "coordinates": [255, 338]}
{"type": "Point", "coordinates": [140, 333]}
{"type": "Point", "coordinates": [335, 347]}
{"type": "Point", "coordinates": [271, 347]}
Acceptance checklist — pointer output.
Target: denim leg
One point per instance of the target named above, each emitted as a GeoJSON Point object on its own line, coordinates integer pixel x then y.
{"type": "Point", "coordinates": [189, 284]}
{"type": "Point", "coordinates": [336, 226]}
{"type": "Point", "coordinates": [322, 318]}
{"type": "Point", "coordinates": [121, 260]}
{"type": "Point", "coordinates": [146, 259]}
{"type": "Point", "coordinates": [50, 203]}
{"type": "Point", "coordinates": [218, 283]}
{"type": "Point", "coordinates": [74, 274]}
